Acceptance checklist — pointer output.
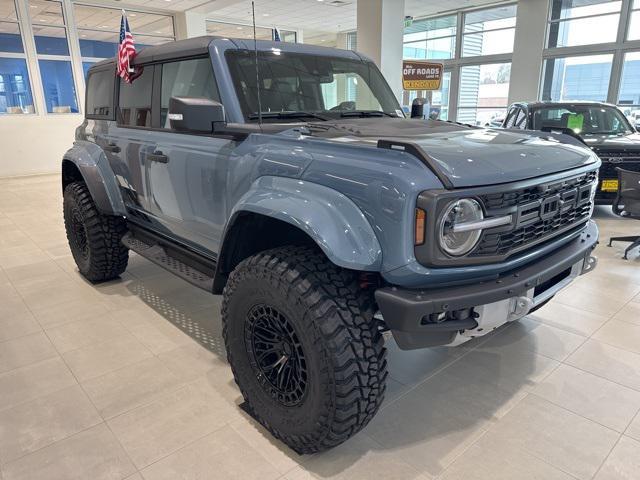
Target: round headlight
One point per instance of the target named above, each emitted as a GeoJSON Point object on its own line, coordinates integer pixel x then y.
{"type": "Point", "coordinates": [462, 242]}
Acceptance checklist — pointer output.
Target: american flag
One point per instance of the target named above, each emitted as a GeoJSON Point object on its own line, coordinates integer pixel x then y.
{"type": "Point", "coordinates": [126, 52]}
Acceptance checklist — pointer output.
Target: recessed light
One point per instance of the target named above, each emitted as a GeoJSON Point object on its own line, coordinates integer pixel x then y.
{"type": "Point", "coordinates": [132, 14]}
{"type": "Point", "coordinates": [238, 28]}
{"type": "Point", "coordinates": [265, 14]}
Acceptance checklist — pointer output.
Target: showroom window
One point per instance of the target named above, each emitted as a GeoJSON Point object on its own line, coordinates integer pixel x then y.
{"type": "Point", "coordinates": [629, 95]}
{"type": "Point", "coordinates": [15, 89]}
{"type": "Point", "coordinates": [583, 77]}
{"type": "Point", "coordinates": [438, 99]}
{"type": "Point", "coordinates": [483, 94]}
{"type": "Point", "coordinates": [99, 31]}
{"type": "Point", "coordinates": [489, 32]}
{"type": "Point", "coordinates": [52, 49]}
{"type": "Point", "coordinates": [634, 23]}
{"type": "Point", "coordinates": [586, 22]}
{"type": "Point", "coordinates": [431, 38]}
{"type": "Point", "coordinates": [236, 30]}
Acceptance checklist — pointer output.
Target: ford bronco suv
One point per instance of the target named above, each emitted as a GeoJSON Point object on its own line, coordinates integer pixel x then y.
{"type": "Point", "coordinates": [601, 126]}
{"type": "Point", "coordinates": [288, 180]}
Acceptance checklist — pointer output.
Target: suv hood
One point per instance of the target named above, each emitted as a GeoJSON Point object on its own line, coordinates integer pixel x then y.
{"type": "Point", "coordinates": [466, 156]}
{"type": "Point", "coordinates": [614, 143]}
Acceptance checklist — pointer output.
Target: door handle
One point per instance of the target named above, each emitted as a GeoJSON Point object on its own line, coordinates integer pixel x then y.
{"type": "Point", "coordinates": [157, 157]}
{"type": "Point", "coordinates": [111, 147]}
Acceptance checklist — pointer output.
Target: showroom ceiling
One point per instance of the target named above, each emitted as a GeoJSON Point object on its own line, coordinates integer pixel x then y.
{"type": "Point", "coordinates": [320, 15]}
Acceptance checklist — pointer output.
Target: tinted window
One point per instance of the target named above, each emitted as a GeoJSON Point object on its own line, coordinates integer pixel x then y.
{"type": "Point", "coordinates": [134, 107]}
{"type": "Point", "coordinates": [583, 119]}
{"type": "Point", "coordinates": [187, 78]}
{"type": "Point", "coordinates": [100, 94]}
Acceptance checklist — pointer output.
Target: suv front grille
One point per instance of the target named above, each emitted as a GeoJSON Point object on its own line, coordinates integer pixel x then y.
{"type": "Point", "coordinates": [572, 211]}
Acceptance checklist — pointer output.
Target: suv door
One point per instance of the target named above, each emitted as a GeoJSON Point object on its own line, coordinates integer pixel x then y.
{"type": "Point", "coordinates": [131, 141]}
{"type": "Point", "coordinates": [187, 183]}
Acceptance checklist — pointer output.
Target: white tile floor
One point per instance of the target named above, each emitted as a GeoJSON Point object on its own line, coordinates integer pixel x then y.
{"type": "Point", "coordinates": [128, 379]}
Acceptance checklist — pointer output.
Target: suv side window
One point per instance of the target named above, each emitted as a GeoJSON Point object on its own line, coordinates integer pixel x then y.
{"type": "Point", "coordinates": [186, 78]}
{"type": "Point", "coordinates": [134, 106]}
{"type": "Point", "coordinates": [99, 102]}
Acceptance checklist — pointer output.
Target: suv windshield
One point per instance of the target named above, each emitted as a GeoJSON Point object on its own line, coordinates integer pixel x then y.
{"type": "Point", "coordinates": [582, 119]}
{"type": "Point", "coordinates": [295, 87]}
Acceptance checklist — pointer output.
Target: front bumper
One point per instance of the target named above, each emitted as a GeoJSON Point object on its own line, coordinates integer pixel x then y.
{"type": "Point", "coordinates": [451, 315]}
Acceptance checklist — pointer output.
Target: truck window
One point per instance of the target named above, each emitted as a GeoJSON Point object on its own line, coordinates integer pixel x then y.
{"type": "Point", "coordinates": [99, 103]}
{"type": "Point", "coordinates": [186, 78]}
{"type": "Point", "coordinates": [134, 106]}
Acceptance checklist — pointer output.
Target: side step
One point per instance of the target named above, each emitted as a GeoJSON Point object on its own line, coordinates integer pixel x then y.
{"type": "Point", "coordinates": [159, 255]}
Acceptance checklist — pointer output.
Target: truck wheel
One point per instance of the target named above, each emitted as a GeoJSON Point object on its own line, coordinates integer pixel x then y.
{"type": "Point", "coordinates": [304, 347]}
{"type": "Point", "coordinates": [94, 238]}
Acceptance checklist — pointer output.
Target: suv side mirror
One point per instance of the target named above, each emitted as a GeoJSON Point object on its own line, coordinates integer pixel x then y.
{"type": "Point", "coordinates": [190, 114]}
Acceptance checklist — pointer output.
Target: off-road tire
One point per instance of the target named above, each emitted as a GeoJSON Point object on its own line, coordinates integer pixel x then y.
{"type": "Point", "coordinates": [94, 238]}
{"type": "Point", "coordinates": [344, 352]}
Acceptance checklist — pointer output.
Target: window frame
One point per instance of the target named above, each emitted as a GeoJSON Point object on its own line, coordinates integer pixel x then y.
{"type": "Point", "coordinates": [19, 22]}
{"type": "Point", "coordinates": [618, 49]}
{"type": "Point", "coordinates": [156, 93]}
{"type": "Point", "coordinates": [68, 58]}
{"type": "Point", "coordinates": [114, 97]}
{"type": "Point", "coordinates": [622, 21]}
{"type": "Point", "coordinates": [158, 88]}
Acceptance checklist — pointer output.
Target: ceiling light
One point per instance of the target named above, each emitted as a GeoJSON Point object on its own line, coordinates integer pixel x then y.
{"type": "Point", "coordinates": [265, 14]}
{"type": "Point", "coordinates": [238, 28]}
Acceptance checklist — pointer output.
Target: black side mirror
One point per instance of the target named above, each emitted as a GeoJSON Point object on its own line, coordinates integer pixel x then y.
{"type": "Point", "coordinates": [189, 114]}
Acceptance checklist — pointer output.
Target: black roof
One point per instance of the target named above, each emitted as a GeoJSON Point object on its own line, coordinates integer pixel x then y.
{"type": "Point", "coordinates": [197, 46]}
{"type": "Point", "coordinates": [181, 48]}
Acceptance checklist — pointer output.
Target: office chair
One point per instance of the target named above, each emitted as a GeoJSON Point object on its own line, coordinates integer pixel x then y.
{"type": "Point", "coordinates": [627, 204]}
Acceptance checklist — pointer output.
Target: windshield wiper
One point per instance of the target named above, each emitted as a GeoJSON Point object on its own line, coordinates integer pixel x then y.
{"type": "Point", "coordinates": [288, 114]}
{"type": "Point", "coordinates": [366, 113]}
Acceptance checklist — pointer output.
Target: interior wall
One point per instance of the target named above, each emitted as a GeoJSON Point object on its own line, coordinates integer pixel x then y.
{"type": "Point", "coordinates": [35, 144]}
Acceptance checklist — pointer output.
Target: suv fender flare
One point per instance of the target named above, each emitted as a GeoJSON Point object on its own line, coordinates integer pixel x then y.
{"type": "Point", "coordinates": [92, 163]}
{"type": "Point", "coordinates": [332, 220]}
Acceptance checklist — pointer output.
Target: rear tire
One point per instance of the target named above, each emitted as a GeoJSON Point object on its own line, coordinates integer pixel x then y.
{"type": "Point", "coordinates": [304, 348]}
{"type": "Point", "coordinates": [94, 238]}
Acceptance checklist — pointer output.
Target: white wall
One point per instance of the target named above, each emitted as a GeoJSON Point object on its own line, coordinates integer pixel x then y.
{"type": "Point", "coordinates": [528, 45]}
{"type": "Point", "coordinates": [35, 144]}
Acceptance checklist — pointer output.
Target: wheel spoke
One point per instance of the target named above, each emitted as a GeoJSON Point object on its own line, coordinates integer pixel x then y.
{"type": "Point", "coordinates": [277, 354]}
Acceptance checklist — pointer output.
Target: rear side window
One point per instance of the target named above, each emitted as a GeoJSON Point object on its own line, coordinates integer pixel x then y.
{"type": "Point", "coordinates": [186, 78]}
{"type": "Point", "coordinates": [100, 85]}
{"type": "Point", "coordinates": [134, 106]}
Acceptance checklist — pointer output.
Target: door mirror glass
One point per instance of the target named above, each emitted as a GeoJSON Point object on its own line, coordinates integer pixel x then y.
{"type": "Point", "coordinates": [198, 115]}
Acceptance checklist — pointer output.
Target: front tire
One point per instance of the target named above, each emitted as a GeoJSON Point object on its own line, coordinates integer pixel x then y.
{"type": "Point", "coordinates": [304, 348]}
{"type": "Point", "coordinates": [94, 238]}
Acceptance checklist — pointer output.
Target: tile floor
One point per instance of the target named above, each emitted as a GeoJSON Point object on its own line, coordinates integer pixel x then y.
{"type": "Point", "coordinates": [128, 380]}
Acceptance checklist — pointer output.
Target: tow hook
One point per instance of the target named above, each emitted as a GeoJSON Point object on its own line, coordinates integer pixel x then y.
{"type": "Point", "coordinates": [522, 307]}
{"type": "Point", "coordinates": [589, 264]}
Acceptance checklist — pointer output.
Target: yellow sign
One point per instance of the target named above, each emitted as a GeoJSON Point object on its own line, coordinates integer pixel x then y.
{"type": "Point", "coordinates": [609, 186]}
{"type": "Point", "coordinates": [420, 75]}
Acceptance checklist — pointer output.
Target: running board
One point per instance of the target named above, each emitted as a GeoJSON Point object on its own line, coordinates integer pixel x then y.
{"type": "Point", "coordinates": [158, 254]}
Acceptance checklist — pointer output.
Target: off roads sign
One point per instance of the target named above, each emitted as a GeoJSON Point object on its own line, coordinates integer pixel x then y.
{"type": "Point", "coordinates": [419, 75]}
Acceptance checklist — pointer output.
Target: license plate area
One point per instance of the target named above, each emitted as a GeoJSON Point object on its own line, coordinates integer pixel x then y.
{"type": "Point", "coordinates": [609, 186]}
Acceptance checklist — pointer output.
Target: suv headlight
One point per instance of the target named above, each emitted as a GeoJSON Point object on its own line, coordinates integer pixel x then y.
{"type": "Point", "coordinates": [457, 243]}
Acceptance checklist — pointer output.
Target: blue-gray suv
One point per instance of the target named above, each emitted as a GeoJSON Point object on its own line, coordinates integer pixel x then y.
{"type": "Point", "coordinates": [287, 179]}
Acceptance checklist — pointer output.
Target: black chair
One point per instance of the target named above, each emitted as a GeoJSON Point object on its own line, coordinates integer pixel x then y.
{"type": "Point", "coordinates": [627, 204]}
